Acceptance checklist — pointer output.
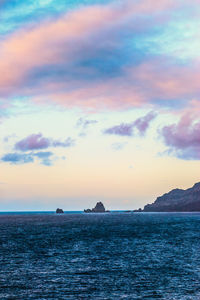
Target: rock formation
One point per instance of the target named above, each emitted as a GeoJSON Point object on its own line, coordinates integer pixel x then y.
{"type": "Point", "coordinates": [99, 208]}
{"type": "Point", "coordinates": [177, 200]}
{"type": "Point", "coordinates": [59, 211]}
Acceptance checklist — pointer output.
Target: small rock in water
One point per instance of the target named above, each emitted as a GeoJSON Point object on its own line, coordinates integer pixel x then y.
{"type": "Point", "coordinates": [59, 211]}
{"type": "Point", "coordinates": [99, 208]}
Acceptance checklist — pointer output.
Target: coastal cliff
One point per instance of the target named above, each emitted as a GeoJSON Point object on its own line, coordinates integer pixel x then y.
{"type": "Point", "coordinates": [177, 200]}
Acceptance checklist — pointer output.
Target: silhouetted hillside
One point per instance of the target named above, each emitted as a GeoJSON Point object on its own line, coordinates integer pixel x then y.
{"type": "Point", "coordinates": [177, 200]}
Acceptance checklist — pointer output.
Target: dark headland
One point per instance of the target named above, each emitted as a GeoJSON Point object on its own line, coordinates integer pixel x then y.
{"type": "Point", "coordinates": [177, 200]}
{"type": "Point", "coordinates": [99, 208]}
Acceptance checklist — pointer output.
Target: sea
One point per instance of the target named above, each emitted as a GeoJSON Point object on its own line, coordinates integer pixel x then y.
{"type": "Point", "coordinates": [114, 255]}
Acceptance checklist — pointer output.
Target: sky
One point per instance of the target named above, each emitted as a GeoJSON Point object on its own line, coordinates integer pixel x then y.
{"type": "Point", "coordinates": [99, 101]}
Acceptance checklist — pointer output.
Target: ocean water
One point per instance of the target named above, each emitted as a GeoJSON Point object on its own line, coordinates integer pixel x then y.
{"type": "Point", "coordinates": [100, 256]}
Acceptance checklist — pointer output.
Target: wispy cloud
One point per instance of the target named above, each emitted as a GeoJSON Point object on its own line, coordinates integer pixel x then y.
{"type": "Point", "coordinates": [17, 158]}
{"type": "Point", "coordinates": [31, 144]}
{"type": "Point", "coordinates": [118, 146]}
{"type": "Point", "coordinates": [124, 129]}
{"type": "Point", "coordinates": [84, 123]}
{"type": "Point", "coordinates": [45, 158]}
{"type": "Point", "coordinates": [127, 129]}
{"type": "Point", "coordinates": [38, 141]}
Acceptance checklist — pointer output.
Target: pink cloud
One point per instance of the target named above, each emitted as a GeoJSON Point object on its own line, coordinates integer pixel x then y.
{"type": "Point", "coordinates": [127, 129]}
{"type": "Point", "coordinates": [38, 141]}
{"type": "Point", "coordinates": [143, 123]}
{"type": "Point", "coordinates": [114, 93]}
{"type": "Point", "coordinates": [183, 138]}
{"type": "Point", "coordinates": [33, 142]}
{"type": "Point", "coordinates": [62, 41]}
{"type": "Point", "coordinates": [124, 129]}
{"type": "Point", "coordinates": [162, 79]}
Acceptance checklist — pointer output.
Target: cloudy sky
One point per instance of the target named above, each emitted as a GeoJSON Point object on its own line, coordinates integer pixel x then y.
{"type": "Point", "coordinates": [99, 101]}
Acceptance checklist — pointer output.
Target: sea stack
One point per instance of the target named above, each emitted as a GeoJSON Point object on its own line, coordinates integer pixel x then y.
{"type": "Point", "coordinates": [99, 208]}
{"type": "Point", "coordinates": [59, 211]}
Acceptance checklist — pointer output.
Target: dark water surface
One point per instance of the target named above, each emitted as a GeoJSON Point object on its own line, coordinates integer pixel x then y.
{"type": "Point", "coordinates": [100, 256]}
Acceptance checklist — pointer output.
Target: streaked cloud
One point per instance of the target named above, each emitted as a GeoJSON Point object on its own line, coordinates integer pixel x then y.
{"type": "Point", "coordinates": [66, 58]}
{"type": "Point", "coordinates": [123, 129]}
{"type": "Point", "coordinates": [38, 141]}
{"type": "Point", "coordinates": [17, 158]}
{"type": "Point", "coordinates": [128, 129]}
{"type": "Point", "coordinates": [45, 158]}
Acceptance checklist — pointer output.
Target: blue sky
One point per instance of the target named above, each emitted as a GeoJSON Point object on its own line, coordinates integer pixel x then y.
{"type": "Point", "coordinates": [99, 100]}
